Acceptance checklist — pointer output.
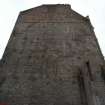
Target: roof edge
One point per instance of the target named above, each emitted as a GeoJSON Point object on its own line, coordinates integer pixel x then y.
{"type": "Point", "coordinates": [67, 5]}
{"type": "Point", "coordinates": [44, 5]}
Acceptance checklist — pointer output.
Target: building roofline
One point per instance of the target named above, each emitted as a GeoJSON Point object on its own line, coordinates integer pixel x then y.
{"type": "Point", "coordinates": [68, 5]}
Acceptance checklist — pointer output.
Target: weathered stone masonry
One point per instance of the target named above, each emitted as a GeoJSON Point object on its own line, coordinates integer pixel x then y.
{"type": "Point", "coordinates": [52, 58]}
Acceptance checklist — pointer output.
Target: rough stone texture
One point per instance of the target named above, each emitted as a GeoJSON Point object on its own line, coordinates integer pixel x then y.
{"type": "Point", "coordinates": [52, 58]}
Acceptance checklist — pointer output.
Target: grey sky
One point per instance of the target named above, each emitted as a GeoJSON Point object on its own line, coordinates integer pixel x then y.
{"type": "Point", "coordinates": [9, 10]}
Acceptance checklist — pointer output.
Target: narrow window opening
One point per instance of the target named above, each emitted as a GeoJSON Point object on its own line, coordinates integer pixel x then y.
{"type": "Point", "coordinates": [89, 70]}
{"type": "Point", "coordinates": [102, 73]}
{"type": "Point", "coordinates": [83, 94]}
{"type": "Point", "coordinates": [2, 81]}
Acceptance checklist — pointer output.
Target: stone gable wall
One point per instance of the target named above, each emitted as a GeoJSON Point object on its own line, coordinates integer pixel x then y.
{"type": "Point", "coordinates": [52, 58]}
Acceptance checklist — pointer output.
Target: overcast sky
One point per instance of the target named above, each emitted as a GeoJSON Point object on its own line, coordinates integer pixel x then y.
{"type": "Point", "coordinates": [9, 10]}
